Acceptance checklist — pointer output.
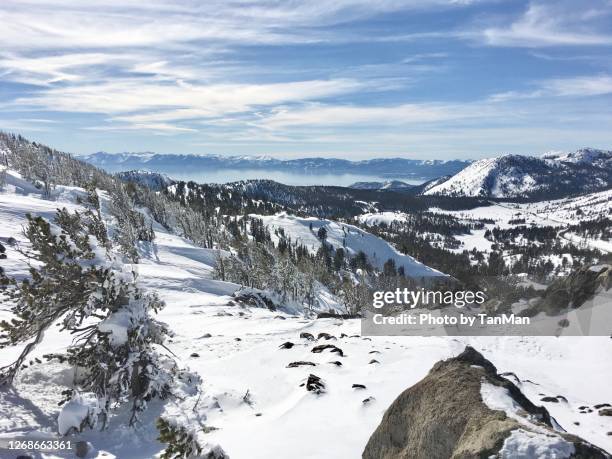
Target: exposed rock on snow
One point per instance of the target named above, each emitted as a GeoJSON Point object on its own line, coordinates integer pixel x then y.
{"type": "Point", "coordinates": [300, 363]}
{"type": "Point", "coordinates": [577, 288]}
{"type": "Point", "coordinates": [315, 384]}
{"type": "Point", "coordinates": [464, 409]}
{"type": "Point", "coordinates": [320, 348]}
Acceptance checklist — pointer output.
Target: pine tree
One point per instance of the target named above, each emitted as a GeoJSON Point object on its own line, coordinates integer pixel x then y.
{"type": "Point", "coordinates": [72, 283]}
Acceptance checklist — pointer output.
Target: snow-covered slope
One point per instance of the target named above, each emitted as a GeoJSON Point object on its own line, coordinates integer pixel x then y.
{"type": "Point", "coordinates": [349, 237]}
{"type": "Point", "coordinates": [600, 158]}
{"type": "Point", "coordinates": [514, 176]}
{"type": "Point", "coordinates": [256, 403]}
{"type": "Point", "coordinates": [556, 213]}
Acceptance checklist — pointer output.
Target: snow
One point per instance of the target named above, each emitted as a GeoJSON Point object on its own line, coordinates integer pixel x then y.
{"type": "Point", "coordinates": [535, 442]}
{"type": "Point", "coordinates": [515, 176]}
{"type": "Point", "coordinates": [76, 411]}
{"type": "Point", "coordinates": [556, 213]}
{"type": "Point", "coordinates": [349, 237]}
{"type": "Point", "coordinates": [522, 444]}
{"type": "Point", "coordinates": [376, 218]}
{"type": "Point", "coordinates": [293, 422]}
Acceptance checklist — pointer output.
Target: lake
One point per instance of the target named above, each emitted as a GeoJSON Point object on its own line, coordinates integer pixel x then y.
{"type": "Point", "coordinates": [288, 178]}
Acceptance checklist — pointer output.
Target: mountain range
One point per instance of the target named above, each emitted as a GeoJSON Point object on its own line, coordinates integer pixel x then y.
{"type": "Point", "coordinates": [179, 164]}
{"type": "Point", "coordinates": [510, 176]}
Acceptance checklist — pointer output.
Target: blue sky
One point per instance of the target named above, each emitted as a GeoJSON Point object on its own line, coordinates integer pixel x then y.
{"type": "Point", "coordinates": [344, 78]}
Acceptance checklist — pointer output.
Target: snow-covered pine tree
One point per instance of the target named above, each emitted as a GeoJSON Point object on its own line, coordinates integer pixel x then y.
{"type": "Point", "coordinates": [131, 225]}
{"type": "Point", "coordinates": [75, 283]}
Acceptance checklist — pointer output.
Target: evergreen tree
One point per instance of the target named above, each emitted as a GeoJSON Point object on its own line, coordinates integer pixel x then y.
{"type": "Point", "coordinates": [79, 287]}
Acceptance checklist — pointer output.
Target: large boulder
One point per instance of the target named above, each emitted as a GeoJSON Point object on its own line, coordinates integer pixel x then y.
{"type": "Point", "coordinates": [572, 291]}
{"type": "Point", "coordinates": [464, 409]}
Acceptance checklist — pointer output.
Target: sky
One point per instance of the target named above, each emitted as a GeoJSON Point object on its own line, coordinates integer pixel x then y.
{"type": "Point", "coordinates": [354, 79]}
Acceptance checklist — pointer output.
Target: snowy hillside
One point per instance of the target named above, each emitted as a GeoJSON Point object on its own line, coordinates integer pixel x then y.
{"type": "Point", "coordinates": [349, 237]}
{"type": "Point", "coordinates": [599, 158]}
{"type": "Point", "coordinates": [514, 176]}
{"type": "Point", "coordinates": [556, 213]}
{"type": "Point", "coordinates": [253, 400]}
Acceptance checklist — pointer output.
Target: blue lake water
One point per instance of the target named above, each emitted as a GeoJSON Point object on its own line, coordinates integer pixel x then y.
{"type": "Point", "coordinates": [288, 178]}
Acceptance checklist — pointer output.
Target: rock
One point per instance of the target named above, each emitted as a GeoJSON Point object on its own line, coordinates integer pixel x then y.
{"type": "Point", "coordinates": [444, 416]}
{"type": "Point", "coordinates": [574, 290]}
{"type": "Point", "coordinates": [327, 336]}
{"type": "Point", "coordinates": [286, 345]}
{"type": "Point", "coordinates": [549, 399]}
{"type": "Point", "coordinates": [205, 335]}
{"type": "Point", "coordinates": [194, 355]}
{"type": "Point", "coordinates": [320, 348]}
{"type": "Point", "coordinates": [82, 448]}
{"type": "Point", "coordinates": [602, 405]}
{"type": "Point", "coordinates": [300, 363]}
{"type": "Point", "coordinates": [343, 335]}
{"type": "Point", "coordinates": [366, 401]}
{"type": "Point", "coordinates": [249, 297]}
{"type": "Point", "coordinates": [237, 339]}
{"type": "Point", "coordinates": [358, 386]}
{"type": "Point", "coordinates": [605, 412]}
{"type": "Point", "coordinates": [337, 363]}
{"type": "Point", "coordinates": [315, 384]}
{"type": "Point", "coordinates": [307, 336]}
{"type": "Point", "coordinates": [512, 376]}
{"type": "Point", "coordinates": [374, 352]}
{"type": "Point", "coordinates": [373, 361]}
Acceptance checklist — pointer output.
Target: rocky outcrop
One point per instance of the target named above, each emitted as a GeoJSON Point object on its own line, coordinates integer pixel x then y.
{"type": "Point", "coordinates": [464, 409]}
{"type": "Point", "coordinates": [577, 288]}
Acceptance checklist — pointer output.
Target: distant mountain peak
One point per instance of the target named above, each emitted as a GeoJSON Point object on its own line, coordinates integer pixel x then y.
{"type": "Point", "coordinates": [516, 176]}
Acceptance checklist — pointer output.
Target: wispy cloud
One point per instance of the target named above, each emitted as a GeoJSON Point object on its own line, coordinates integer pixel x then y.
{"type": "Point", "coordinates": [563, 23]}
{"type": "Point", "coordinates": [372, 116]}
{"type": "Point", "coordinates": [582, 86]}
{"type": "Point", "coordinates": [350, 73]}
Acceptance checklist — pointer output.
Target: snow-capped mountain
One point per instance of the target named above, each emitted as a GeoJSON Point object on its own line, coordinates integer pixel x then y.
{"type": "Point", "coordinates": [599, 158]}
{"type": "Point", "coordinates": [175, 164]}
{"type": "Point", "coordinates": [393, 185]}
{"type": "Point", "coordinates": [514, 176]}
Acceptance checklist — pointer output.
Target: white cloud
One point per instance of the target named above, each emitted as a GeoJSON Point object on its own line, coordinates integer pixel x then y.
{"type": "Point", "coordinates": [582, 86]}
{"type": "Point", "coordinates": [554, 24]}
{"type": "Point", "coordinates": [48, 24]}
{"type": "Point", "coordinates": [149, 104]}
{"type": "Point", "coordinates": [339, 115]}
